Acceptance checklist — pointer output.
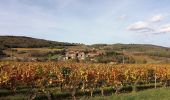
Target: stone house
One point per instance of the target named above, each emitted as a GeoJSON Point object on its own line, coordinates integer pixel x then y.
{"type": "Point", "coordinates": [81, 55]}
{"type": "Point", "coordinates": [71, 55]}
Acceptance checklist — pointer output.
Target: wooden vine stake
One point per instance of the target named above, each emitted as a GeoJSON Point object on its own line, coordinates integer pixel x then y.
{"type": "Point", "coordinates": [155, 77]}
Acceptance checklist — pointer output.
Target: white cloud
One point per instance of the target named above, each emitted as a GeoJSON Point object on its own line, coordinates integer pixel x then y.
{"type": "Point", "coordinates": [144, 27]}
{"type": "Point", "coordinates": [164, 28]}
{"type": "Point", "coordinates": [150, 26]}
{"type": "Point", "coordinates": [140, 25]}
{"type": "Point", "coordinates": [156, 18]}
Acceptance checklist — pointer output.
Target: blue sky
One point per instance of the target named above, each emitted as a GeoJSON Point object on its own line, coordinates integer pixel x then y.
{"type": "Point", "coordinates": [88, 21]}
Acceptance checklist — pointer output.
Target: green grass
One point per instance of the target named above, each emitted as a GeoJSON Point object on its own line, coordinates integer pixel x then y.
{"type": "Point", "coordinates": [147, 94]}
{"type": "Point", "coordinates": [14, 97]}
{"type": "Point", "coordinates": [152, 94]}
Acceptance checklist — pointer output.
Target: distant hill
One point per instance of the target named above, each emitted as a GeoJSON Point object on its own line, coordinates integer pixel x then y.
{"type": "Point", "coordinates": [131, 47]}
{"type": "Point", "coordinates": [132, 53]}
{"type": "Point", "coordinates": [28, 42]}
{"type": "Point", "coordinates": [139, 52]}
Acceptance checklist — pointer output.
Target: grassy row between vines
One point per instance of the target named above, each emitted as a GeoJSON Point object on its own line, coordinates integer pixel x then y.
{"type": "Point", "coordinates": [151, 94]}
{"type": "Point", "coordinates": [23, 94]}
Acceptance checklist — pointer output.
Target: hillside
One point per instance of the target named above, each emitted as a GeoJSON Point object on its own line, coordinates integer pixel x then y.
{"type": "Point", "coordinates": [130, 53]}
{"type": "Point", "coordinates": [141, 53]}
{"type": "Point", "coordinates": [28, 42]}
{"type": "Point", "coordinates": [137, 49]}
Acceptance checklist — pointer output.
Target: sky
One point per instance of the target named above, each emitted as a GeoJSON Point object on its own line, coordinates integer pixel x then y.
{"type": "Point", "coordinates": [88, 21]}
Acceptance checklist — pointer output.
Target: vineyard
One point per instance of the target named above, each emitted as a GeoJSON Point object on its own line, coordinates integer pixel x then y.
{"type": "Point", "coordinates": [51, 78]}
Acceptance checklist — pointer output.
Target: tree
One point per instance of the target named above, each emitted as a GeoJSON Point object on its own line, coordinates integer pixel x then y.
{"type": "Point", "coordinates": [1, 53]}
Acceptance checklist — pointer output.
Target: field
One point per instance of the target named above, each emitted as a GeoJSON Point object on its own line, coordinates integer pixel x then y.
{"type": "Point", "coordinates": [51, 80]}
{"type": "Point", "coordinates": [36, 49]}
{"type": "Point", "coordinates": [153, 94]}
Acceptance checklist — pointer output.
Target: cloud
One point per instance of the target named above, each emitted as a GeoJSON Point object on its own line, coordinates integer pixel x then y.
{"type": "Point", "coordinates": [156, 18]}
{"type": "Point", "coordinates": [150, 26]}
{"type": "Point", "coordinates": [137, 26]}
{"type": "Point", "coordinates": [144, 27]}
{"type": "Point", "coordinates": [163, 29]}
